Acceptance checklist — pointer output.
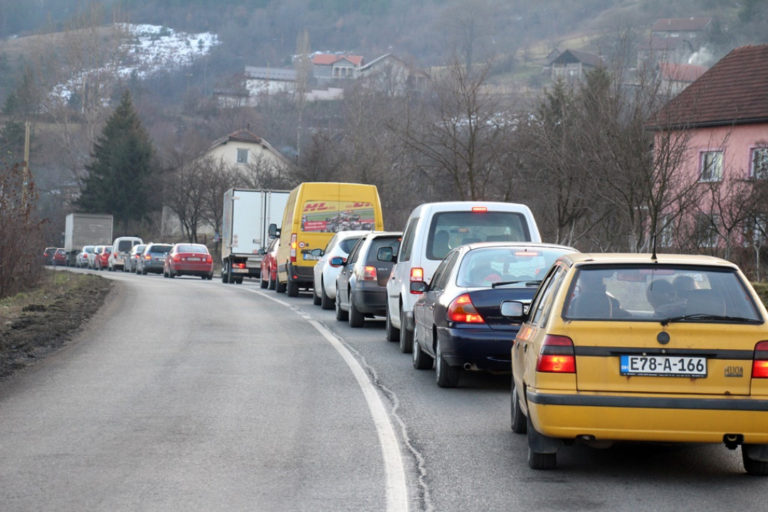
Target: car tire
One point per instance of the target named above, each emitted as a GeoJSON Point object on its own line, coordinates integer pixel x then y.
{"type": "Point", "coordinates": [325, 301]}
{"type": "Point", "coordinates": [519, 423]}
{"type": "Point", "coordinates": [272, 282]}
{"type": "Point", "coordinates": [356, 318]}
{"type": "Point", "coordinates": [316, 299]}
{"type": "Point", "coordinates": [406, 336]}
{"type": "Point", "coordinates": [537, 459]}
{"type": "Point", "coordinates": [280, 287]}
{"type": "Point", "coordinates": [421, 360]}
{"type": "Point", "coordinates": [751, 465]}
{"type": "Point", "coordinates": [446, 376]}
{"type": "Point", "coordinates": [292, 288]}
{"type": "Point", "coordinates": [391, 333]}
{"type": "Point", "coordinates": [341, 315]}
{"type": "Point", "coordinates": [263, 282]}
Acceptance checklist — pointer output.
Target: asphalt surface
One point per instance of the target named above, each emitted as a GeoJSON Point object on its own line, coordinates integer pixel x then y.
{"type": "Point", "coordinates": [187, 394]}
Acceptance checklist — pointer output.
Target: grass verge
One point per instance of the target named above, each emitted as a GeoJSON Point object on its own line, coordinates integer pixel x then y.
{"type": "Point", "coordinates": [34, 323]}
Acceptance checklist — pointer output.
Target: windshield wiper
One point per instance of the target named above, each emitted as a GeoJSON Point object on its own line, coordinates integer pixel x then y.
{"type": "Point", "coordinates": [527, 283]}
{"type": "Point", "coordinates": [705, 316]}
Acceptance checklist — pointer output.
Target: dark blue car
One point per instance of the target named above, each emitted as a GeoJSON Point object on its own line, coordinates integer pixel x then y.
{"type": "Point", "coordinates": [458, 321]}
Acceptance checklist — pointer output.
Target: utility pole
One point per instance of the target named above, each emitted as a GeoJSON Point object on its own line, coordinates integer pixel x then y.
{"type": "Point", "coordinates": [26, 178]}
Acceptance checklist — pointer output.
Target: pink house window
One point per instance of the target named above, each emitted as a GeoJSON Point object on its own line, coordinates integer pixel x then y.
{"type": "Point", "coordinates": [759, 163]}
{"type": "Point", "coordinates": [711, 166]}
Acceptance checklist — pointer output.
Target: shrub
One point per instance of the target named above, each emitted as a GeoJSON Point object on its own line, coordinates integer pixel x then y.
{"type": "Point", "coordinates": [20, 233]}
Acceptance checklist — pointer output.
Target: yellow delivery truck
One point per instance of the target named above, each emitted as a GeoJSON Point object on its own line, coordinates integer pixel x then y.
{"type": "Point", "coordinates": [313, 213]}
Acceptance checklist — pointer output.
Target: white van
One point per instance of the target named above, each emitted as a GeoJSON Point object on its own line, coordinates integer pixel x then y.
{"type": "Point", "coordinates": [121, 251]}
{"type": "Point", "coordinates": [431, 231]}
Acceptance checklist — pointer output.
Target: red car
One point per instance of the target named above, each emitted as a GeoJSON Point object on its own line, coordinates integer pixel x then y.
{"type": "Point", "coordinates": [188, 259]}
{"type": "Point", "coordinates": [101, 260]}
{"type": "Point", "coordinates": [48, 255]}
{"type": "Point", "coordinates": [269, 265]}
{"type": "Point", "coordinates": [59, 258]}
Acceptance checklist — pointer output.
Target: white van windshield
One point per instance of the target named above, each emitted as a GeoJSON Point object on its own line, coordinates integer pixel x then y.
{"type": "Point", "coordinates": [452, 229]}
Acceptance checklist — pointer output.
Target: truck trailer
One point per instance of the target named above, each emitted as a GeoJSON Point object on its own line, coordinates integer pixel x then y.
{"type": "Point", "coordinates": [81, 229]}
{"type": "Point", "coordinates": [245, 230]}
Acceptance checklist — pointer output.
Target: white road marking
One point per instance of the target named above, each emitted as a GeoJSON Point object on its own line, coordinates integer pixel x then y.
{"type": "Point", "coordinates": [397, 490]}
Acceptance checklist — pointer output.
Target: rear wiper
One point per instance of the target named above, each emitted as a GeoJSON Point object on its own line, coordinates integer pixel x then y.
{"type": "Point", "coordinates": [527, 283]}
{"type": "Point", "coordinates": [705, 316]}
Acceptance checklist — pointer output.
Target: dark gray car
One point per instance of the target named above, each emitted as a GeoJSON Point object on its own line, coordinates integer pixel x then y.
{"type": "Point", "coordinates": [153, 258]}
{"type": "Point", "coordinates": [361, 285]}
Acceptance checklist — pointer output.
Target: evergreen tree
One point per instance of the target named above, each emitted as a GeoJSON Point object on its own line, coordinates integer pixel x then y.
{"type": "Point", "coordinates": [11, 144]}
{"type": "Point", "coordinates": [119, 174]}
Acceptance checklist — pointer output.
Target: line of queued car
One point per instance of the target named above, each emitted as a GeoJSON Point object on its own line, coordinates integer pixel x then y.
{"type": "Point", "coordinates": [131, 254]}
{"type": "Point", "coordinates": [602, 348]}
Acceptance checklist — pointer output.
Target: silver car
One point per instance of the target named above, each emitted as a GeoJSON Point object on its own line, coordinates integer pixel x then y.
{"type": "Point", "coordinates": [153, 258]}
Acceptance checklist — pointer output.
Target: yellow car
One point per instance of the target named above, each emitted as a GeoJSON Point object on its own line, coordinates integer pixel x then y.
{"type": "Point", "coordinates": [639, 347]}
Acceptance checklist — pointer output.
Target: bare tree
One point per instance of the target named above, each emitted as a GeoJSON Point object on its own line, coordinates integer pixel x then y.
{"type": "Point", "coordinates": [461, 138]}
{"type": "Point", "coordinates": [82, 80]}
{"type": "Point", "coordinates": [184, 195]}
{"type": "Point", "coordinates": [20, 232]}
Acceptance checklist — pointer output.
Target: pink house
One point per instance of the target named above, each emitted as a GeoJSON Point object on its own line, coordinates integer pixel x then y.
{"type": "Point", "coordinates": [724, 116]}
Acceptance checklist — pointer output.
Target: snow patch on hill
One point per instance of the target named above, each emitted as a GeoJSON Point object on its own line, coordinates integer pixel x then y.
{"type": "Point", "coordinates": [147, 49]}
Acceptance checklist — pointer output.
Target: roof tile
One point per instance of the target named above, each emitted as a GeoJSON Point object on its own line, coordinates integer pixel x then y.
{"type": "Point", "coordinates": [733, 91]}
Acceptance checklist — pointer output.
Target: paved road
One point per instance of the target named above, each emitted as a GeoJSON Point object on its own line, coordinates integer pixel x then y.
{"type": "Point", "coordinates": [194, 395]}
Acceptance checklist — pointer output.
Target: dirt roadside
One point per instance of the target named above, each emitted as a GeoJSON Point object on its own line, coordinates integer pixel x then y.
{"type": "Point", "coordinates": [36, 323]}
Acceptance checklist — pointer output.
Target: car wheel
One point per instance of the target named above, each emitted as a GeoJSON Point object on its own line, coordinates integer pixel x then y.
{"type": "Point", "coordinates": [272, 282]}
{"type": "Point", "coordinates": [446, 376]}
{"type": "Point", "coordinates": [356, 318]}
{"type": "Point", "coordinates": [316, 300]}
{"type": "Point", "coordinates": [752, 465]}
{"type": "Point", "coordinates": [292, 288]}
{"type": "Point", "coordinates": [519, 422]}
{"type": "Point", "coordinates": [341, 315]}
{"type": "Point", "coordinates": [325, 301]}
{"type": "Point", "coordinates": [406, 336]}
{"type": "Point", "coordinates": [421, 360]}
{"type": "Point", "coordinates": [538, 459]}
{"type": "Point", "coordinates": [263, 282]}
{"type": "Point", "coordinates": [391, 333]}
{"type": "Point", "coordinates": [279, 287]}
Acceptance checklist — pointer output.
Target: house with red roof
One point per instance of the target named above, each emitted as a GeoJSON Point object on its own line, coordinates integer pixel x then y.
{"type": "Point", "coordinates": [675, 77]}
{"type": "Point", "coordinates": [724, 116]}
{"type": "Point", "coordinates": [243, 148]}
{"type": "Point", "coordinates": [331, 66]}
{"type": "Point", "coordinates": [692, 28]}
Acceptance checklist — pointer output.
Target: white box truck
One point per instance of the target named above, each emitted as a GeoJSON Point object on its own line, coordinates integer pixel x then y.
{"type": "Point", "coordinates": [81, 229]}
{"type": "Point", "coordinates": [245, 230]}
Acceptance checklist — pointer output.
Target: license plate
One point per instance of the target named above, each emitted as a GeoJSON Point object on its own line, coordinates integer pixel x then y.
{"type": "Point", "coordinates": [663, 366]}
{"type": "Point", "coordinates": [193, 259]}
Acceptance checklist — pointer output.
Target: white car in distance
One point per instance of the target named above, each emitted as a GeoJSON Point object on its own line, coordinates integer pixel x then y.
{"type": "Point", "coordinates": [324, 292]}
